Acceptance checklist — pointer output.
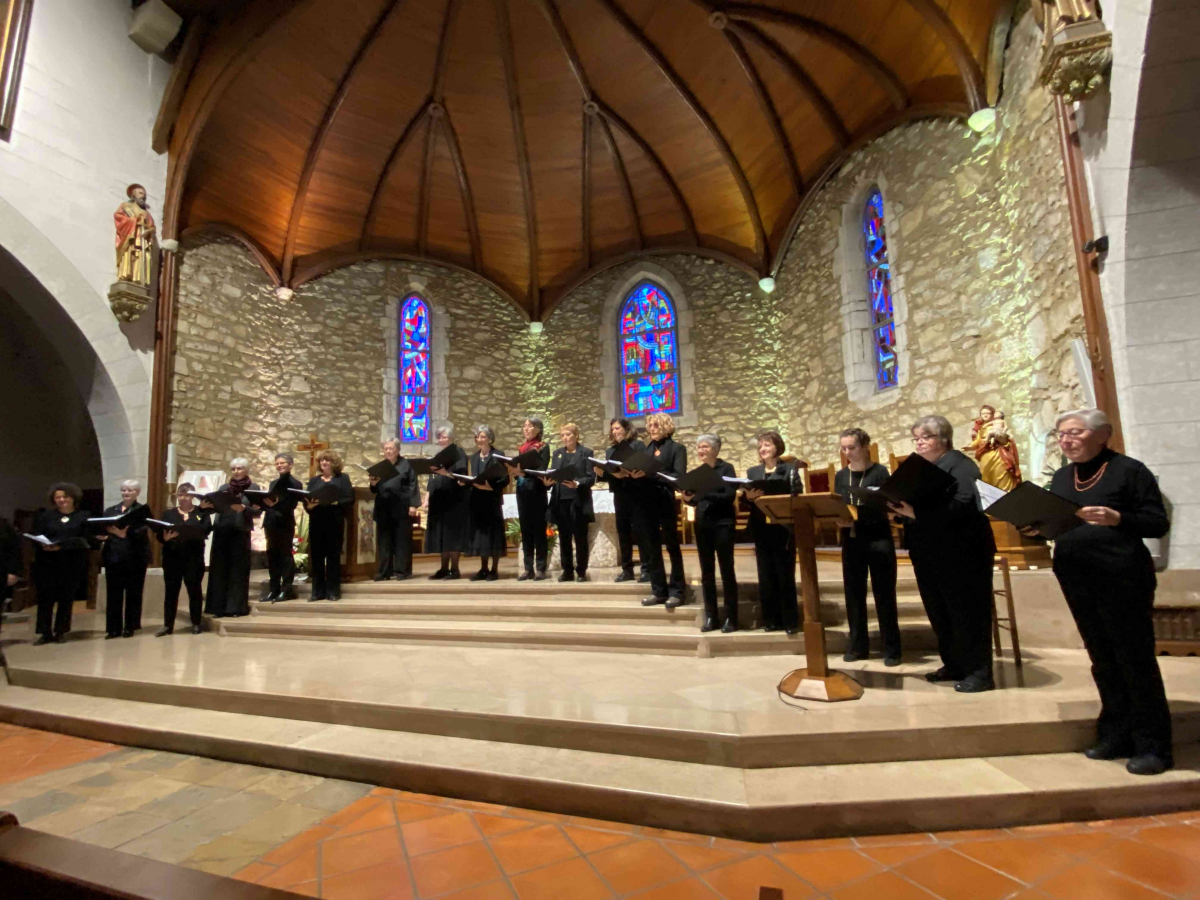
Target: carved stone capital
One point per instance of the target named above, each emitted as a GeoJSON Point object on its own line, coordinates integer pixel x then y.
{"type": "Point", "coordinates": [1077, 59]}
{"type": "Point", "coordinates": [128, 300]}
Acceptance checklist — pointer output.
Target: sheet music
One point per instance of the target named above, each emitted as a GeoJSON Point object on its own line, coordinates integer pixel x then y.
{"type": "Point", "coordinates": [988, 494]}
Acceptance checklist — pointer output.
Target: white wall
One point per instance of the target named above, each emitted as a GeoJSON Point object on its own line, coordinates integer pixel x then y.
{"type": "Point", "coordinates": [87, 103]}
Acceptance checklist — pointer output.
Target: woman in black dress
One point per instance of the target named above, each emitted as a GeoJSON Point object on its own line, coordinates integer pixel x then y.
{"type": "Point", "coordinates": [715, 522]}
{"type": "Point", "coordinates": [59, 570]}
{"type": "Point", "coordinates": [624, 442]}
{"type": "Point", "coordinates": [486, 505]}
{"type": "Point", "coordinates": [952, 550]}
{"type": "Point", "coordinates": [774, 545]}
{"type": "Point", "coordinates": [1107, 576]}
{"type": "Point", "coordinates": [531, 502]}
{"type": "Point", "coordinates": [571, 504]}
{"type": "Point", "coordinates": [446, 501]}
{"type": "Point", "coordinates": [228, 591]}
{"type": "Point", "coordinates": [327, 527]}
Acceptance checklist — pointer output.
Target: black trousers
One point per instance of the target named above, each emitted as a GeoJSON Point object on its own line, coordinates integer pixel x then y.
{"type": "Point", "coordinates": [123, 585]}
{"type": "Point", "coordinates": [59, 580]}
{"type": "Point", "coordinates": [627, 533]}
{"type": "Point", "coordinates": [775, 555]}
{"type": "Point", "coordinates": [280, 563]}
{"type": "Point", "coordinates": [531, 512]}
{"type": "Point", "coordinates": [658, 526]}
{"type": "Point", "coordinates": [955, 581]}
{"type": "Point", "coordinates": [1113, 613]}
{"type": "Point", "coordinates": [877, 556]}
{"type": "Point", "coordinates": [228, 591]}
{"type": "Point", "coordinates": [326, 531]}
{"type": "Point", "coordinates": [183, 570]}
{"type": "Point", "coordinates": [572, 537]}
{"type": "Point", "coordinates": [714, 545]}
{"type": "Point", "coordinates": [393, 548]}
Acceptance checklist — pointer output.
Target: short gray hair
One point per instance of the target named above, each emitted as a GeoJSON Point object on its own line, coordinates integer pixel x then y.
{"type": "Point", "coordinates": [938, 426]}
{"type": "Point", "coordinates": [395, 441]}
{"type": "Point", "coordinates": [131, 482]}
{"type": "Point", "coordinates": [239, 461]}
{"type": "Point", "coordinates": [485, 429]}
{"type": "Point", "coordinates": [286, 457]}
{"type": "Point", "coordinates": [445, 428]}
{"type": "Point", "coordinates": [1092, 419]}
{"type": "Point", "coordinates": [713, 440]}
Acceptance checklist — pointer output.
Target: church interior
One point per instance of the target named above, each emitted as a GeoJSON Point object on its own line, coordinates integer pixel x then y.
{"type": "Point", "coordinates": [794, 291]}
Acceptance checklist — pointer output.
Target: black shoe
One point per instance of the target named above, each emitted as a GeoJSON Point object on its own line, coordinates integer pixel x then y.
{"type": "Point", "coordinates": [643, 578]}
{"type": "Point", "coordinates": [270, 597]}
{"type": "Point", "coordinates": [942, 674]}
{"type": "Point", "coordinates": [851, 656]}
{"type": "Point", "coordinates": [289, 594]}
{"type": "Point", "coordinates": [566, 576]}
{"type": "Point", "coordinates": [439, 574]}
{"type": "Point", "coordinates": [196, 629]}
{"type": "Point", "coordinates": [674, 601]}
{"type": "Point", "coordinates": [624, 576]}
{"type": "Point", "coordinates": [334, 598]}
{"type": "Point", "coordinates": [111, 635]}
{"type": "Point", "coordinates": [527, 575]}
{"type": "Point", "coordinates": [975, 684]}
{"type": "Point", "coordinates": [1149, 764]}
{"type": "Point", "coordinates": [581, 576]}
{"type": "Point", "coordinates": [1110, 748]}
{"type": "Point", "coordinates": [480, 575]}
{"type": "Point", "coordinates": [653, 601]}
{"type": "Point", "coordinates": [128, 632]}
{"type": "Point", "coordinates": [493, 575]}
{"type": "Point", "coordinates": [315, 597]}
{"type": "Point", "coordinates": [381, 577]}
{"type": "Point", "coordinates": [710, 624]}
{"type": "Point", "coordinates": [59, 639]}
{"type": "Point", "coordinates": [45, 639]}
{"type": "Point", "coordinates": [771, 626]}
{"type": "Point", "coordinates": [453, 574]}
{"type": "Point", "coordinates": [164, 631]}
{"type": "Point", "coordinates": [403, 576]}
{"type": "Point", "coordinates": [792, 632]}
{"type": "Point", "coordinates": [729, 627]}
{"type": "Point", "coordinates": [541, 575]}
{"type": "Point", "coordinates": [891, 660]}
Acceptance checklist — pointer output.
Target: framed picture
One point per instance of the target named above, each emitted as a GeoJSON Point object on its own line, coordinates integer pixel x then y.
{"type": "Point", "coordinates": [14, 31]}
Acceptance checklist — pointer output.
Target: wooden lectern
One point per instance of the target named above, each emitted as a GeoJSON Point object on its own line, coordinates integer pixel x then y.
{"type": "Point", "coordinates": [815, 682]}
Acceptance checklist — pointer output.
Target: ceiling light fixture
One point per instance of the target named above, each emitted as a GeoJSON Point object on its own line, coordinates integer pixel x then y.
{"type": "Point", "coordinates": [767, 284]}
{"type": "Point", "coordinates": [535, 327]}
{"type": "Point", "coordinates": [982, 119]}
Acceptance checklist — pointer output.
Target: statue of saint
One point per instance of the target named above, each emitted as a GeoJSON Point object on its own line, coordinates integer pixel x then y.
{"type": "Point", "coordinates": [995, 450]}
{"type": "Point", "coordinates": [135, 238]}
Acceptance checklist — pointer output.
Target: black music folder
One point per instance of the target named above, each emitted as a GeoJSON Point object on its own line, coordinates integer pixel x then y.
{"type": "Point", "coordinates": [187, 531]}
{"type": "Point", "coordinates": [278, 493]}
{"type": "Point", "coordinates": [327, 494]}
{"type": "Point", "coordinates": [704, 479]}
{"type": "Point", "coordinates": [495, 470]}
{"type": "Point", "coordinates": [527, 460]}
{"type": "Point", "coordinates": [75, 543]}
{"type": "Point", "coordinates": [222, 501]}
{"type": "Point", "coordinates": [443, 459]}
{"type": "Point", "coordinates": [384, 470]}
{"type": "Point", "coordinates": [559, 475]}
{"type": "Point", "coordinates": [766, 485]}
{"type": "Point", "coordinates": [914, 481]}
{"type": "Point", "coordinates": [1028, 505]}
{"type": "Point", "coordinates": [642, 461]}
{"type": "Point", "coordinates": [100, 524]}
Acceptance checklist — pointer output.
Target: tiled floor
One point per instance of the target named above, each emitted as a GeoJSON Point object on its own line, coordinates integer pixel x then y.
{"type": "Point", "coordinates": [326, 838]}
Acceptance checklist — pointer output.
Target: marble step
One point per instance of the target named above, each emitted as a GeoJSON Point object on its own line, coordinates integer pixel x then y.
{"type": "Point", "coordinates": [613, 638]}
{"type": "Point", "coordinates": [778, 804]}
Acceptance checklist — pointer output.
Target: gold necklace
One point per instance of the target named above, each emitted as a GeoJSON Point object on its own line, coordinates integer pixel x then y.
{"type": "Point", "coordinates": [1089, 483]}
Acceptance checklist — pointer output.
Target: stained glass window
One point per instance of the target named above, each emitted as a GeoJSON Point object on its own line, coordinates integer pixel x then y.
{"type": "Point", "coordinates": [649, 339]}
{"type": "Point", "coordinates": [879, 288]}
{"type": "Point", "coordinates": [414, 370]}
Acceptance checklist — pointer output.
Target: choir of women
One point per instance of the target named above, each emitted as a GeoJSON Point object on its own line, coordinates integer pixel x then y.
{"type": "Point", "coordinates": [229, 559]}
{"type": "Point", "coordinates": [327, 527]}
{"type": "Point", "coordinates": [183, 558]}
{"type": "Point", "coordinates": [485, 507]}
{"type": "Point", "coordinates": [571, 503]}
{"type": "Point", "coordinates": [532, 502]}
{"type": "Point", "coordinates": [125, 555]}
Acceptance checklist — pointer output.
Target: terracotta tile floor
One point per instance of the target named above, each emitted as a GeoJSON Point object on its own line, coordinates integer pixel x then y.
{"type": "Point", "coordinates": [395, 845]}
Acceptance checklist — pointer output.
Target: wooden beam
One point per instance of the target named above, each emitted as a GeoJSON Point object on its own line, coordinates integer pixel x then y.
{"type": "Point", "coordinates": [768, 108]}
{"type": "Point", "coordinates": [401, 142]}
{"type": "Point", "coordinates": [882, 73]}
{"type": "Point", "coordinates": [508, 54]}
{"type": "Point", "coordinates": [968, 67]}
{"type": "Point", "coordinates": [586, 205]}
{"type": "Point", "coordinates": [253, 247]}
{"type": "Point", "coordinates": [568, 47]}
{"type": "Point", "coordinates": [443, 55]}
{"type": "Point", "coordinates": [623, 178]}
{"type": "Point", "coordinates": [464, 187]}
{"type": "Point", "coordinates": [181, 72]}
{"type": "Point", "coordinates": [425, 189]}
{"type": "Point", "coordinates": [762, 249]}
{"type": "Point", "coordinates": [323, 130]}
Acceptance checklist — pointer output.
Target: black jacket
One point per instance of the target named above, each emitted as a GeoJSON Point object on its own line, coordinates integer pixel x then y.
{"type": "Point", "coordinates": [282, 516]}
{"type": "Point", "coordinates": [345, 504]}
{"type": "Point", "coordinates": [717, 505]}
{"type": "Point", "coordinates": [131, 550]}
{"type": "Point", "coordinates": [783, 472]}
{"type": "Point", "coordinates": [657, 493]}
{"type": "Point", "coordinates": [621, 485]}
{"type": "Point", "coordinates": [394, 497]}
{"type": "Point", "coordinates": [581, 497]}
{"type": "Point", "coordinates": [179, 547]}
{"type": "Point", "coordinates": [954, 518]}
{"type": "Point", "coordinates": [531, 484]}
{"type": "Point", "coordinates": [871, 523]}
{"type": "Point", "coordinates": [232, 521]}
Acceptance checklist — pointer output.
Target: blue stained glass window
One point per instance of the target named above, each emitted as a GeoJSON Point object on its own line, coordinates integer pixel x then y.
{"type": "Point", "coordinates": [414, 370]}
{"type": "Point", "coordinates": [649, 341]}
{"type": "Point", "coordinates": [879, 292]}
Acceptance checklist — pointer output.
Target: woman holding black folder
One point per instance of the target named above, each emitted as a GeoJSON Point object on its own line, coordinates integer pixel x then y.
{"type": "Point", "coordinates": [397, 505]}
{"type": "Point", "coordinates": [125, 554]}
{"type": "Point", "coordinates": [624, 444]}
{"type": "Point", "coordinates": [952, 550]}
{"type": "Point", "coordinates": [486, 505]}
{"type": "Point", "coordinates": [656, 516]}
{"type": "Point", "coordinates": [183, 558]}
{"type": "Point", "coordinates": [774, 545]}
{"type": "Point", "coordinates": [532, 502]}
{"type": "Point", "coordinates": [571, 504]}
{"type": "Point", "coordinates": [446, 500]}
{"type": "Point", "coordinates": [715, 520]}
{"type": "Point", "coordinates": [228, 591]}
{"type": "Point", "coordinates": [60, 569]}
{"type": "Point", "coordinates": [1107, 576]}
{"type": "Point", "coordinates": [327, 526]}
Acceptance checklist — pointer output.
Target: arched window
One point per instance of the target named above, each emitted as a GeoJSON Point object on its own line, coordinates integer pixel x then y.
{"type": "Point", "coordinates": [879, 293]}
{"type": "Point", "coordinates": [648, 334]}
{"type": "Point", "coordinates": [414, 370]}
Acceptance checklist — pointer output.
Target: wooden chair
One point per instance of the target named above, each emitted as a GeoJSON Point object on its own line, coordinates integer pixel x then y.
{"type": "Point", "coordinates": [682, 522]}
{"type": "Point", "coordinates": [1011, 622]}
{"type": "Point", "coordinates": [894, 460]}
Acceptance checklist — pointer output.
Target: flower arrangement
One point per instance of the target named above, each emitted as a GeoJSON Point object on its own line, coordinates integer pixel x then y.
{"type": "Point", "coordinates": [300, 543]}
{"type": "Point", "coordinates": [512, 533]}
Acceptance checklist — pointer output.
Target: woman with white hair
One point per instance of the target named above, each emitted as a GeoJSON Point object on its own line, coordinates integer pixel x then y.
{"type": "Point", "coordinates": [397, 506]}
{"type": "Point", "coordinates": [228, 591]}
{"type": "Point", "coordinates": [1107, 576]}
{"type": "Point", "coordinates": [125, 555]}
{"type": "Point", "coordinates": [486, 504]}
{"type": "Point", "coordinates": [952, 550]}
{"type": "Point", "coordinates": [446, 501]}
{"type": "Point", "coordinates": [715, 521]}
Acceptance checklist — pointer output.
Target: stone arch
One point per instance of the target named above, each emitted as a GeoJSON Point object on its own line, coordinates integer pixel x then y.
{"type": "Point", "coordinates": [399, 286]}
{"type": "Point", "coordinates": [108, 373]}
{"type": "Point", "coordinates": [850, 269]}
{"type": "Point", "coordinates": [644, 270]}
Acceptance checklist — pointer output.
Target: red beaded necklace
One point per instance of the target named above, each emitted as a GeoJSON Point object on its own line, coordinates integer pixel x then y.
{"type": "Point", "coordinates": [1090, 482]}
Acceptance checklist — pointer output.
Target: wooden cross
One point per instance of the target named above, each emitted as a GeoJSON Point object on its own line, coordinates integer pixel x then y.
{"type": "Point", "coordinates": [312, 448]}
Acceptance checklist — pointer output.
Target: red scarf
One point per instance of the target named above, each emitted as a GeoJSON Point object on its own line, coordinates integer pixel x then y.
{"type": "Point", "coordinates": [531, 445]}
{"type": "Point", "coordinates": [236, 486]}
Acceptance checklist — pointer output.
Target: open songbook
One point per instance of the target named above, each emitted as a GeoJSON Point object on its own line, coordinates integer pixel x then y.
{"type": "Point", "coordinates": [327, 494]}
{"type": "Point", "coordinates": [526, 460]}
{"type": "Point", "coordinates": [1030, 506]}
{"type": "Point", "coordinates": [642, 461]}
{"type": "Point", "coordinates": [495, 470]}
{"type": "Point", "coordinates": [222, 501]}
{"type": "Point", "coordinates": [135, 516]}
{"type": "Point", "coordinates": [766, 485]}
{"type": "Point", "coordinates": [384, 470]}
{"type": "Point", "coordinates": [701, 480]}
{"type": "Point", "coordinates": [187, 531]}
{"type": "Point", "coordinates": [914, 481]}
{"type": "Point", "coordinates": [565, 473]}
{"type": "Point", "coordinates": [443, 459]}
{"type": "Point", "coordinates": [74, 543]}
{"type": "Point", "coordinates": [257, 497]}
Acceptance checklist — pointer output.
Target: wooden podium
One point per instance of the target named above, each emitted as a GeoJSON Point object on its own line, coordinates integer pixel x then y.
{"type": "Point", "coordinates": [815, 682]}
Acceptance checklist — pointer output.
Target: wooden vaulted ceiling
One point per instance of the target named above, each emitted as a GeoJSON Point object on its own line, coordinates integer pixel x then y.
{"type": "Point", "coordinates": [535, 141]}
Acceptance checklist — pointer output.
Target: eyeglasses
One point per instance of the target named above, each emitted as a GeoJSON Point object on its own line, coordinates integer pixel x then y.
{"type": "Point", "coordinates": [1073, 433]}
{"type": "Point", "coordinates": [924, 438]}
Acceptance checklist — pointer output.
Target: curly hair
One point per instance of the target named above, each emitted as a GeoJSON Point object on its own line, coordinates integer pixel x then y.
{"type": "Point", "coordinates": [664, 421]}
{"type": "Point", "coordinates": [335, 461]}
{"type": "Point", "coordinates": [67, 487]}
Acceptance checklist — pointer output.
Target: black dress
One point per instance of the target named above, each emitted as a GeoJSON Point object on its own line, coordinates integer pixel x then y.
{"type": "Point", "coordinates": [183, 565]}
{"type": "Point", "coordinates": [624, 501]}
{"type": "Point", "coordinates": [279, 525]}
{"type": "Point", "coordinates": [657, 521]}
{"type": "Point", "coordinates": [952, 550]}
{"type": "Point", "coordinates": [125, 562]}
{"type": "Point", "coordinates": [486, 511]}
{"type": "Point", "coordinates": [571, 509]}
{"type": "Point", "coordinates": [715, 523]}
{"type": "Point", "coordinates": [867, 547]}
{"type": "Point", "coordinates": [1107, 576]}
{"type": "Point", "coordinates": [775, 556]}
{"type": "Point", "coordinates": [531, 512]}
{"type": "Point", "coordinates": [446, 528]}
{"type": "Point", "coordinates": [393, 524]}
{"type": "Point", "coordinates": [326, 534]}
{"type": "Point", "coordinates": [228, 591]}
{"type": "Point", "coordinates": [59, 575]}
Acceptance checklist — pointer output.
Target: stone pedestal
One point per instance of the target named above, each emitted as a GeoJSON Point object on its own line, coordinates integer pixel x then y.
{"type": "Point", "coordinates": [129, 300]}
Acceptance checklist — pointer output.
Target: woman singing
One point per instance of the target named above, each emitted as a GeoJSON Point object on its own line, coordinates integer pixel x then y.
{"type": "Point", "coordinates": [327, 527]}
{"type": "Point", "coordinates": [531, 502]}
{"type": "Point", "coordinates": [229, 560]}
{"type": "Point", "coordinates": [623, 443]}
{"type": "Point", "coordinates": [125, 554]}
{"type": "Point", "coordinates": [774, 545]}
{"type": "Point", "coordinates": [59, 570]}
{"type": "Point", "coordinates": [183, 560]}
{"type": "Point", "coordinates": [715, 520]}
{"type": "Point", "coordinates": [571, 504]}
{"type": "Point", "coordinates": [657, 520]}
{"type": "Point", "coordinates": [446, 501]}
{"type": "Point", "coordinates": [486, 506]}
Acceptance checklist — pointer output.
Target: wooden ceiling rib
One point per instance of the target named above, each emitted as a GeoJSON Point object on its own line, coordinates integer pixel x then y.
{"type": "Point", "coordinates": [536, 141]}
